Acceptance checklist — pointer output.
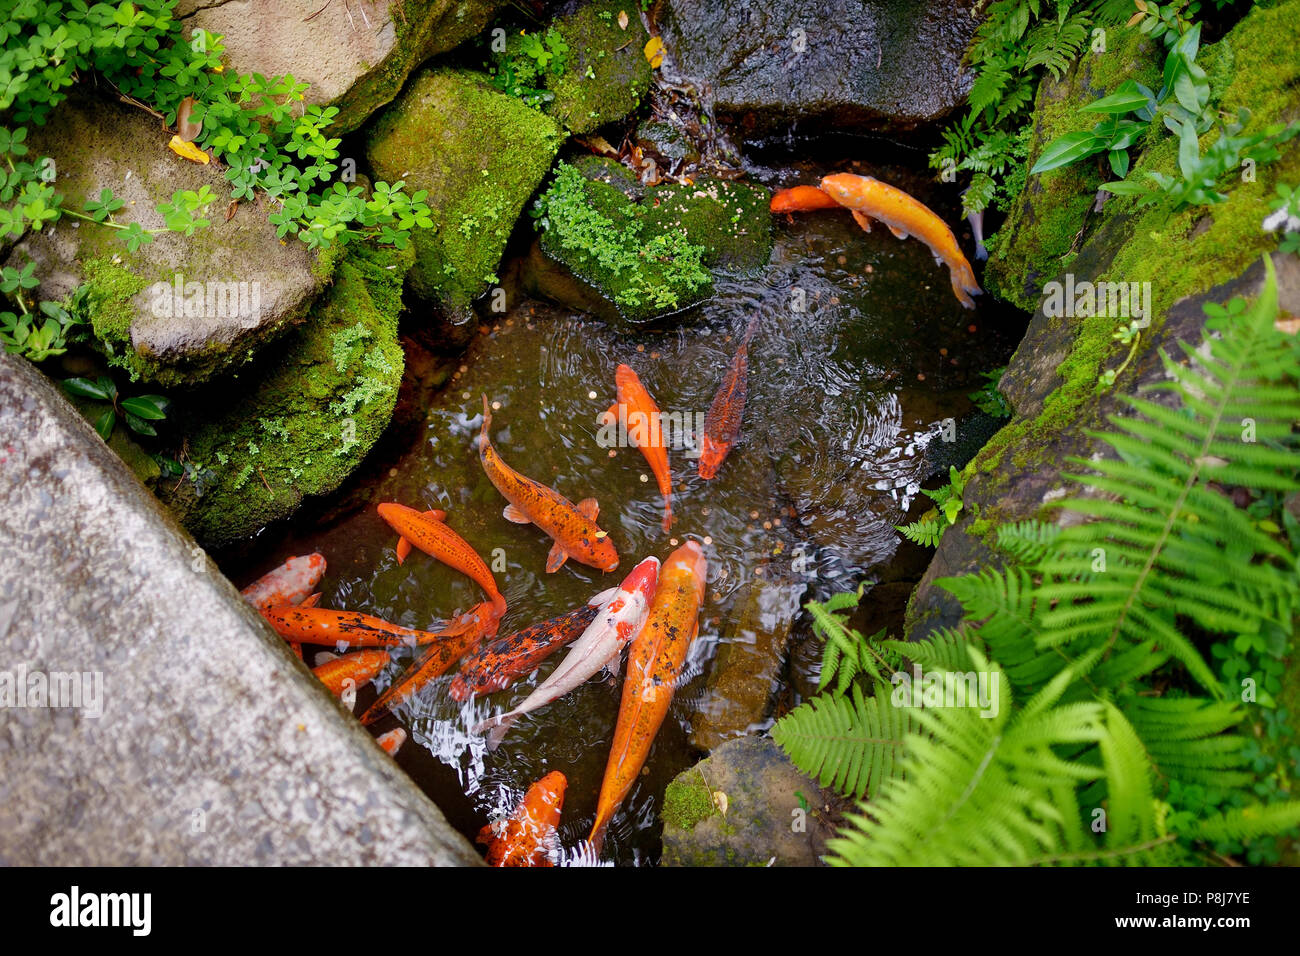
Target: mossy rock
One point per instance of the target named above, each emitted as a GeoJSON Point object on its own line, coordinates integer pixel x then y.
{"type": "Point", "coordinates": [479, 154]}
{"type": "Point", "coordinates": [354, 59]}
{"type": "Point", "coordinates": [1041, 231]}
{"type": "Point", "coordinates": [252, 286]}
{"type": "Point", "coordinates": [634, 254]}
{"type": "Point", "coordinates": [607, 74]}
{"type": "Point", "coordinates": [302, 419]}
{"type": "Point", "coordinates": [1198, 255]}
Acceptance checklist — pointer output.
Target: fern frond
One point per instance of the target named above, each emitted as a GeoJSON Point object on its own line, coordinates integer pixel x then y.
{"type": "Point", "coordinates": [1028, 541]}
{"type": "Point", "coordinates": [1247, 823]}
{"type": "Point", "coordinates": [926, 532]}
{"type": "Point", "coordinates": [942, 650]}
{"type": "Point", "coordinates": [851, 743]}
{"type": "Point", "coordinates": [1186, 741]}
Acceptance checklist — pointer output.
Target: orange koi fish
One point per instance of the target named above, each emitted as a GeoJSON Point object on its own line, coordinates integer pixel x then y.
{"type": "Point", "coordinates": [392, 741]}
{"type": "Point", "coordinates": [572, 527]}
{"type": "Point", "coordinates": [905, 216]}
{"type": "Point", "coordinates": [654, 663]}
{"type": "Point", "coordinates": [359, 668]}
{"type": "Point", "coordinates": [638, 417]}
{"type": "Point", "coordinates": [428, 533]}
{"type": "Point", "coordinates": [326, 627]}
{"type": "Point", "coordinates": [801, 199]}
{"type": "Point", "coordinates": [290, 583]}
{"type": "Point", "coordinates": [527, 836]}
{"type": "Point", "coordinates": [462, 636]}
{"type": "Point", "coordinates": [722, 424]}
{"type": "Point", "coordinates": [497, 665]}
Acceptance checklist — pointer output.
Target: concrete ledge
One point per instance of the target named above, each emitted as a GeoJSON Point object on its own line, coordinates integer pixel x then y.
{"type": "Point", "coordinates": [215, 745]}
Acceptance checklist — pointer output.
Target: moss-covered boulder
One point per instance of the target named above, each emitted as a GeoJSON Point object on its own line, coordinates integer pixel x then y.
{"type": "Point", "coordinates": [746, 805]}
{"type": "Point", "coordinates": [606, 73]}
{"type": "Point", "coordinates": [299, 421]}
{"type": "Point", "coordinates": [355, 57]}
{"type": "Point", "coordinates": [181, 308]}
{"type": "Point", "coordinates": [1056, 381]}
{"type": "Point", "coordinates": [479, 154]}
{"type": "Point", "coordinates": [634, 254]}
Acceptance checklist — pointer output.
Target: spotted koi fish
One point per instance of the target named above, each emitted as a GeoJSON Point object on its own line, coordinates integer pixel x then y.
{"type": "Point", "coordinates": [869, 198]}
{"type": "Point", "coordinates": [572, 527]}
{"type": "Point", "coordinates": [527, 836]}
{"type": "Point", "coordinates": [654, 663]}
{"type": "Point", "coordinates": [722, 424]}
{"type": "Point", "coordinates": [290, 583]}
{"type": "Point", "coordinates": [497, 665]}
{"type": "Point", "coordinates": [639, 417]}
{"type": "Point", "coordinates": [428, 533]}
{"type": "Point", "coordinates": [600, 645]}
{"type": "Point", "coordinates": [457, 640]}
{"type": "Point", "coordinates": [327, 627]}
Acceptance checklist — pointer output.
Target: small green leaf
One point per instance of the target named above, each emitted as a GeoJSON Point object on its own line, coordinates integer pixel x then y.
{"type": "Point", "coordinates": [104, 424]}
{"type": "Point", "coordinates": [1068, 149]}
{"type": "Point", "coordinates": [152, 407]}
{"type": "Point", "coordinates": [85, 388]}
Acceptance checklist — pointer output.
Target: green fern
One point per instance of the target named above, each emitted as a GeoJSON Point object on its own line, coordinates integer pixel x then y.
{"type": "Point", "coordinates": [850, 742]}
{"type": "Point", "coordinates": [927, 532]}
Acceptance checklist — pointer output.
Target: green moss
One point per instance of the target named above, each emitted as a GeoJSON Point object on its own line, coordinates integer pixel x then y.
{"type": "Point", "coordinates": [479, 154]}
{"type": "Point", "coordinates": [606, 74]}
{"type": "Point", "coordinates": [687, 801]}
{"type": "Point", "coordinates": [730, 220]}
{"type": "Point", "coordinates": [111, 289]}
{"type": "Point", "coordinates": [302, 417]}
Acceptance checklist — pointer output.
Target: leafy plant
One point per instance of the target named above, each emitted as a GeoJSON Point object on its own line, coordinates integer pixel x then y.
{"type": "Point", "coordinates": [1115, 741]}
{"type": "Point", "coordinates": [1285, 218]}
{"type": "Point", "coordinates": [988, 398]}
{"type": "Point", "coordinates": [45, 332]}
{"type": "Point", "coordinates": [138, 412]}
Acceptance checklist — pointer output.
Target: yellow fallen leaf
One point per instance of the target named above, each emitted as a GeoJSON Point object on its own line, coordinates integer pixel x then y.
{"type": "Point", "coordinates": [1289, 326]}
{"type": "Point", "coordinates": [622, 19]}
{"type": "Point", "coordinates": [188, 151]}
{"type": "Point", "coordinates": [720, 801]}
{"type": "Point", "coordinates": [654, 52]}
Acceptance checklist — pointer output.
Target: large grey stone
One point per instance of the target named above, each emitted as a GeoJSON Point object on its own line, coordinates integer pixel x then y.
{"type": "Point", "coordinates": [354, 56]}
{"type": "Point", "coordinates": [879, 64]}
{"type": "Point", "coordinates": [97, 144]}
{"type": "Point", "coordinates": [215, 745]}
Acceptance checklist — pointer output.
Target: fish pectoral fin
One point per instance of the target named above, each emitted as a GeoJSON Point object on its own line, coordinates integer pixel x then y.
{"type": "Point", "coordinates": [310, 600]}
{"type": "Point", "coordinates": [861, 219]}
{"type": "Point", "coordinates": [556, 558]}
{"type": "Point", "coordinates": [437, 514]}
{"type": "Point", "coordinates": [589, 509]}
{"type": "Point", "coordinates": [511, 513]}
{"type": "Point", "coordinates": [899, 233]}
{"type": "Point", "coordinates": [604, 597]}
{"type": "Point", "coordinates": [403, 550]}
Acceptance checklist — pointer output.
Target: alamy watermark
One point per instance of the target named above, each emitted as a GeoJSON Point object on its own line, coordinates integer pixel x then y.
{"type": "Point", "coordinates": [1120, 300]}
{"type": "Point", "coordinates": [205, 300]}
{"type": "Point", "coordinates": [636, 429]}
{"type": "Point", "coordinates": [79, 690]}
{"type": "Point", "coordinates": [935, 689]}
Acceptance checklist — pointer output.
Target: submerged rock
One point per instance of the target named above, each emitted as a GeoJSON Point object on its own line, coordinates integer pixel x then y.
{"type": "Point", "coordinates": [479, 154]}
{"type": "Point", "coordinates": [745, 672]}
{"type": "Point", "coordinates": [636, 254]}
{"type": "Point", "coordinates": [774, 815]}
{"type": "Point", "coordinates": [193, 737]}
{"type": "Point", "coordinates": [846, 64]}
{"type": "Point", "coordinates": [355, 57]}
{"type": "Point", "coordinates": [301, 419]}
{"type": "Point", "coordinates": [181, 308]}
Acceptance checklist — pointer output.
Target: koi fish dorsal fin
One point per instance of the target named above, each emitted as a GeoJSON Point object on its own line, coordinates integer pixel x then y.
{"type": "Point", "coordinates": [403, 550]}
{"type": "Point", "coordinates": [603, 598]}
{"type": "Point", "coordinates": [511, 513]}
{"type": "Point", "coordinates": [898, 233]}
{"type": "Point", "coordinates": [555, 558]}
{"type": "Point", "coordinates": [861, 219]}
{"type": "Point", "coordinates": [589, 509]}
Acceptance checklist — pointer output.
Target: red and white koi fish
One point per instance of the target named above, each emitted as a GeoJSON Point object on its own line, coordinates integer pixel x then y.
{"type": "Point", "coordinates": [392, 741]}
{"type": "Point", "coordinates": [600, 645]}
{"type": "Point", "coordinates": [869, 198]}
{"type": "Point", "coordinates": [290, 583]}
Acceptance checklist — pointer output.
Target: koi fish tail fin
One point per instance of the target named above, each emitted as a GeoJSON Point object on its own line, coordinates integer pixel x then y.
{"type": "Point", "coordinates": [597, 839]}
{"type": "Point", "coordinates": [964, 284]}
{"type": "Point", "coordinates": [487, 426]}
{"type": "Point", "coordinates": [498, 605]}
{"type": "Point", "coordinates": [981, 251]}
{"type": "Point", "coordinates": [668, 515]}
{"type": "Point", "coordinates": [749, 331]}
{"type": "Point", "coordinates": [499, 730]}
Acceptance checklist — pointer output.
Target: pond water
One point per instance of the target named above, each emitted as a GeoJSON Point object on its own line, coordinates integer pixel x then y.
{"type": "Point", "coordinates": [844, 397]}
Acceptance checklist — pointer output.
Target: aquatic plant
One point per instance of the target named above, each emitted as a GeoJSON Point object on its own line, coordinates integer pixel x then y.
{"type": "Point", "coordinates": [1106, 736]}
{"type": "Point", "coordinates": [137, 412]}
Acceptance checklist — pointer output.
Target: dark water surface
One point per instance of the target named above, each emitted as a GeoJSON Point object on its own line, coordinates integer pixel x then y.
{"type": "Point", "coordinates": [843, 399]}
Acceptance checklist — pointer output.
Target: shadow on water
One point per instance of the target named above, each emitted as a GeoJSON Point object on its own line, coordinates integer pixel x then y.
{"type": "Point", "coordinates": [860, 353]}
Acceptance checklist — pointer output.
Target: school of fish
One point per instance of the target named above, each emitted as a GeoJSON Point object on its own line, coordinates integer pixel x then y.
{"type": "Point", "coordinates": [654, 613]}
